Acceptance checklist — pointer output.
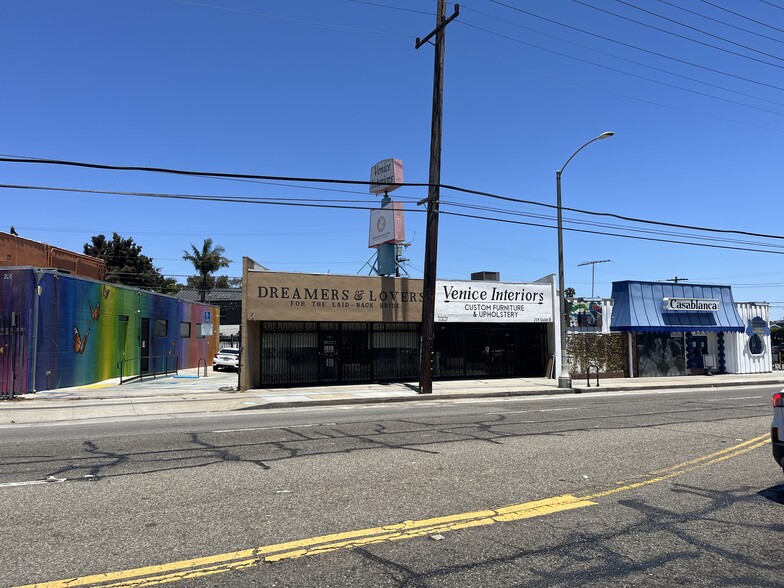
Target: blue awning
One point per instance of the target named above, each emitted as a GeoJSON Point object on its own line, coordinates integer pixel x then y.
{"type": "Point", "coordinates": [639, 307]}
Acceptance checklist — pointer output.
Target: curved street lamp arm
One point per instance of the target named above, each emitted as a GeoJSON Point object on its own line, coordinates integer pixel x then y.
{"type": "Point", "coordinates": [602, 136]}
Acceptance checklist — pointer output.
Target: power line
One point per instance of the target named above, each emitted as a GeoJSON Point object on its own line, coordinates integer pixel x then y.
{"type": "Point", "coordinates": [630, 5]}
{"type": "Point", "coordinates": [613, 56]}
{"type": "Point", "coordinates": [630, 46]}
{"type": "Point", "coordinates": [183, 172]}
{"type": "Point", "coordinates": [344, 207]}
{"type": "Point", "coordinates": [721, 22]}
{"type": "Point", "coordinates": [677, 242]}
{"type": "Point", "coordinates": [640, 77]}
{"type": "Point", "coordinates": [290, 19]}
{"type": "Point", "coordinates": [611, 226]}
{"type": "Point", "coordinates": [391, 7]}
{"type": "Point", "coordinates": [743, 16]}
{"type": "Point", "coordinates": [768, 2]}
{"type": "Point", "coordinates": [323, 180]}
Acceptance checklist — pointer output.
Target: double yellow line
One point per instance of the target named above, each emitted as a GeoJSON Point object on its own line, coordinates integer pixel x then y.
{"type": "Point", "coordinates": [236, 560]}
{"type": "Point", "coordinates": [686, 466]}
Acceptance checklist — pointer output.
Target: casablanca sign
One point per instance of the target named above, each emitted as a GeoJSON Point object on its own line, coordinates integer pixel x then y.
{"type": "Point", "coordinates": [691, 304]}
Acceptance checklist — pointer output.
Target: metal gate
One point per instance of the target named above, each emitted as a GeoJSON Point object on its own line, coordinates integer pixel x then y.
{"type": "Point", "coordinates": [313, 353]}
{"type": "Point", "coordinates": [306, 353]}
{"type": "Point", "coordinates": [13, 356]}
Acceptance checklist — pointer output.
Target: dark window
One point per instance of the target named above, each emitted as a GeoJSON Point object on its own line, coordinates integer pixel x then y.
{"type": "Point", "coordinates": [199, 331]}
{"type": "Point", "coordinates": [664, 354]}
{"type": "Point", "coordinates": [185, 330]}
{"type": "Point", "coordinates": [161, 328]}
{"type": "Point", "coordinates": [756, 347]}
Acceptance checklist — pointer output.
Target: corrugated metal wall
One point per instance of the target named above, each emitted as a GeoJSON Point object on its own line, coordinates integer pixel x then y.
{"type": "Point", "coordinates": [740, 358]}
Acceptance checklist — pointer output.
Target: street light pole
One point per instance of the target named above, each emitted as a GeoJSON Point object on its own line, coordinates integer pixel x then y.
{"type": "Point", "coordinates": [564, 379]}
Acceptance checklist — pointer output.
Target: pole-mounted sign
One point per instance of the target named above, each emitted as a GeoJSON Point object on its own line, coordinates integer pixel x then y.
{"type": "Point", "coordinates": [386, 175]}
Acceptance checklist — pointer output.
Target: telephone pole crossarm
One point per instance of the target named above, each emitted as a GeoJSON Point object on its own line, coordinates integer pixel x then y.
{"type": "Point", "coordinates": [435, 31]}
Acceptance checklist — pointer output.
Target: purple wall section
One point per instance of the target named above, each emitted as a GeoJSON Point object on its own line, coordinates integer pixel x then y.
{"type": "Point", "coordinates": [16, 325]}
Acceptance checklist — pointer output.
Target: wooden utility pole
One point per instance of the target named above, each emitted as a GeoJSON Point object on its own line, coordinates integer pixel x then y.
{"type": "Point", "coordinates": [431, 235]}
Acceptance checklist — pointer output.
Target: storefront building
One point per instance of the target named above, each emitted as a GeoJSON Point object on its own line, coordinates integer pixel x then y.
{"type": "Point", "coordinates": [309, 329]}
{"type": "Point", "coordinates": [689, 329]}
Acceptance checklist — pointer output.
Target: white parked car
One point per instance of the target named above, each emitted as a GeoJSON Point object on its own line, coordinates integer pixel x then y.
{"type": "Point", "coordinates": [226, 358]}
{"type": "Point", "coordinates": [777, 428]}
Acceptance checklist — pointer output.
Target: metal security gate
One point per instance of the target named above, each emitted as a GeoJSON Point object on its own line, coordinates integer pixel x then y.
{"type": "Point", "coordinates": [13, 356]}
{"type": "Point", "coordinates": [489, 351]}
{"type": "Point", "coordinates": [304, 353]}
{"type": "Point", "coordinates": [312, 353]}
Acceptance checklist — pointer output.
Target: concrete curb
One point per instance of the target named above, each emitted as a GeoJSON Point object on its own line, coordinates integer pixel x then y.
{"type": "Point", "coordinates": [498, 394]}
{"type": "Point", "coordinates": [82, 408]}
{"type": "Point", "coordinates": [412, 398]}
{"type": "Point", "coordinates": [704, 384]}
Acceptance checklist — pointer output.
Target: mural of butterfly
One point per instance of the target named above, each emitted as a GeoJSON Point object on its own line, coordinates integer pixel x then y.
{"type": "Point", "coordinates": [95, 312]}
{"type": "Point", "coordinates": [106, 292]}
{"type": "Point", "coordinates": [79, 342]}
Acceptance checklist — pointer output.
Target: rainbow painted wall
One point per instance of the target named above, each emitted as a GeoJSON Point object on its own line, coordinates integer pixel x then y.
{"type": "Point", "coordinates": [72, 331]}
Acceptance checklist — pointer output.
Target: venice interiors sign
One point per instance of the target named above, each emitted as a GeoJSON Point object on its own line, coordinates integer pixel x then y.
{"type": "Point", "coordinates": [493, 302]}
{"type": "Point", "coordinates": [691, 304]}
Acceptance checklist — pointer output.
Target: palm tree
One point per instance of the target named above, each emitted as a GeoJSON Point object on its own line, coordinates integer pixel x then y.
{"type": "Point", "coordinates": [207, 261]}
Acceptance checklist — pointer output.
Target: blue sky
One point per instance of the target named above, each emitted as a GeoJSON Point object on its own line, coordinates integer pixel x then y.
{"type": "Point", "coordinates": [693, 91]}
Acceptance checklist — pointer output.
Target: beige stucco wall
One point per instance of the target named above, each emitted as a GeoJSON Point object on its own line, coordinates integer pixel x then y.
{"type": "Point", "coordinates": [273, 296]}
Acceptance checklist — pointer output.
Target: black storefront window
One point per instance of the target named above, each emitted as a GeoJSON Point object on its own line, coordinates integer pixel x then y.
{"type": "Point", "coordinates": [321, 353]}
{"type": "Point", "coordinates": [661, 354]}
{"type": "Point", "coordinates": [494, 351]}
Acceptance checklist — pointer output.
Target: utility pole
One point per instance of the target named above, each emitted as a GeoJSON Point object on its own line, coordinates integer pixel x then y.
{"type": "Point", "coordinates": [676, 279]}
{"type": "Point", "coordinates": [431, 235]}
{"type": "Point", "coordinates": [593, 268]}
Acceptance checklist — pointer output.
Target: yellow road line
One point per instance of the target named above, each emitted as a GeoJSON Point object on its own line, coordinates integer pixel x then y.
{"type": "Point", "coordinates": [185, 574]}
{"type": "Point", "coordinates": [216, 564]}
{"type": "Point", "coordinates": [439, 525]}
{"type": "Point", "coordinates": [730, 449]}
{"type": "Point", "coordinates": [174, 571]}
{"type": "Point", "coordinates": [686, 466]}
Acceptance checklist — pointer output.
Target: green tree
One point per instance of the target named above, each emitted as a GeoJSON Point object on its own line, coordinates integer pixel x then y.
{"type": "Point", "coordinates": [569, 292]}
{"type": "Point", "coordinates": [214, 282]}
{"type": "Point", "coordinates": [206, 262]}
{"type": "Point", "coordinates": [171, 286]}
{"type": "Point", "coordinates": [125, 263]}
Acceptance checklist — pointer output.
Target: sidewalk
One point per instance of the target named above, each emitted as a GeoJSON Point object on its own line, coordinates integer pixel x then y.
{"type": "Point", "coordinates": [188, 393]}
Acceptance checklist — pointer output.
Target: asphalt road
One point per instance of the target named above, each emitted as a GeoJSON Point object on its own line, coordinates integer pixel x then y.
{"type": "Point", "coordinates": [640, 489]}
